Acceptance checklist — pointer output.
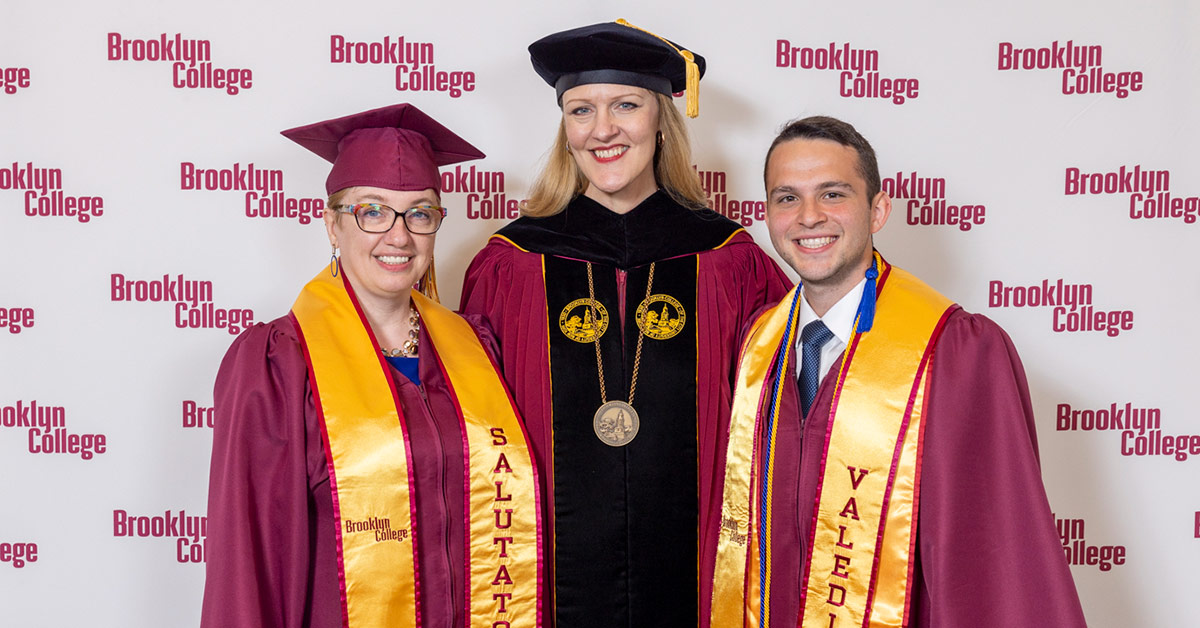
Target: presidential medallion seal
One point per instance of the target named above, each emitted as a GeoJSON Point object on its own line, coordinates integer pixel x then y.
{"type": "Point", "coordinates": [616, 423]}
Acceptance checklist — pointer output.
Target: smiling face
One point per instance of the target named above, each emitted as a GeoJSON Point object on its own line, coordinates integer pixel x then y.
{"type": "Point", "coordinates": [820, 217]}
{"type": "Point", "coordinates": [382, 267]}
{"type": "Point", "coordinates": [611, 132]}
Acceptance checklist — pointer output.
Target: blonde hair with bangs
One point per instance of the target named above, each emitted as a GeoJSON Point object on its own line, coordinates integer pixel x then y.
{"type": "Point", "coordinates": [561, 179]}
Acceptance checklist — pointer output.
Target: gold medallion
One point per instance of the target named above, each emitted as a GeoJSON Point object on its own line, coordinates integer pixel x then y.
{"type": "Point", "coordinates": [616, 423]}
{"type": "Point", "coordinates": [661, 316]}
{"type": "Point", "coordinates": [583, 320]}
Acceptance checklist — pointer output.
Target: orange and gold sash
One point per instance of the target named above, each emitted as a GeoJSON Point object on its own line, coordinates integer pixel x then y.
{"type": "Point", "coordinates": [862, 534]}
{"type": "Point", "coordinates": [370, 464]}
{"type": "Point", "coordinates": [739, 576]}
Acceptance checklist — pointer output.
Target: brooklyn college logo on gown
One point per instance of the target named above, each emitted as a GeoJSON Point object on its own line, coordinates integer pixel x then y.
{"type": "Point", "coordinates": [661, 317]}
{"type": "Point", "coordinates": [583, 320]}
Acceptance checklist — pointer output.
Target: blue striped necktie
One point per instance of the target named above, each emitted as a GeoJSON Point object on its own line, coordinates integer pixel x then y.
{"type": "Point", "coordinates": [812, 338]}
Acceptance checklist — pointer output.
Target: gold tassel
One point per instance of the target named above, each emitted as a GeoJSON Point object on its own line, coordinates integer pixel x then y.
{"type": "Point", "coordinates": [692, 86]}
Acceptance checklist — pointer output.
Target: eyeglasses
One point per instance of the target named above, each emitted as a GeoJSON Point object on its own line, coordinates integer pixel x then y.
{"type": "Point", "coordinates": [377, 218]}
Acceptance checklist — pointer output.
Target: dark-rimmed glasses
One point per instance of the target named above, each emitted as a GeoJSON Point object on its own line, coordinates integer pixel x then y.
{"type": "Point", "coordinates": [379, 218]}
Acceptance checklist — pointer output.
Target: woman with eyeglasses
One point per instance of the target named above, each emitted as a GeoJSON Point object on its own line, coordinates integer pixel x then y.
{"type": "Point", "coordinates": [368, 467]}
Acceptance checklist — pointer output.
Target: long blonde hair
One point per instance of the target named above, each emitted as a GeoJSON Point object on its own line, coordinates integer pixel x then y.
{"type": "Point", "coordinates": [561, 179]}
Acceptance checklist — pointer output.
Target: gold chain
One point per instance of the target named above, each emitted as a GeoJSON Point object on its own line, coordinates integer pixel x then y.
{"type": "Point", "coordinates": [595, 318]}
{"type": "Point", "coordinates": [637, 358]}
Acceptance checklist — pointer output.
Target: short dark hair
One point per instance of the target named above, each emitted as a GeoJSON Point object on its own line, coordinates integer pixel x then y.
{"type": "Point", "coordinates": [827, 128]}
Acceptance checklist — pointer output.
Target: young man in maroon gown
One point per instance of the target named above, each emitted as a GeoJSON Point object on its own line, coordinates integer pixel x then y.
{"type": "Point", "coordinates": [981, 549]}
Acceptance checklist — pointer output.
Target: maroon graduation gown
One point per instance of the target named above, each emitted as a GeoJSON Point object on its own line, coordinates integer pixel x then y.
{"type": "Point", "coordinates": [633, 529]}
{"type": "Point", "coordinates": [988, 552]}
{"type": "Point", "coordinates": [272, 553]}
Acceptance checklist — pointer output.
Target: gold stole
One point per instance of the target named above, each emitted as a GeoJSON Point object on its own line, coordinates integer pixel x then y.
{"type": "Point", "coordinates": [862, 538]}
{"type": "Point", "coordinates": [370, 462]}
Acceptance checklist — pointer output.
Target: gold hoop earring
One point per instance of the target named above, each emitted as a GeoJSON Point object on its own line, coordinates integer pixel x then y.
{"type": "Point", "coordinates": [660, 138]}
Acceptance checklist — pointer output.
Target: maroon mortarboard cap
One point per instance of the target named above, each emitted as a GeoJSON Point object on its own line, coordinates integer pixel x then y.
{"type": "Point", "coordinates": [396, 148]}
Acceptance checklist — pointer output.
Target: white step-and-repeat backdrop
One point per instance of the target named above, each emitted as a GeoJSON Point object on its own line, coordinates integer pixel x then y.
{"type": "Point", "coordinates": [1042, 156]}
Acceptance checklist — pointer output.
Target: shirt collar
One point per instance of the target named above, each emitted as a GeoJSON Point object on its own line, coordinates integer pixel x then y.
{"type": "Point", "coordinates": [840, 318]}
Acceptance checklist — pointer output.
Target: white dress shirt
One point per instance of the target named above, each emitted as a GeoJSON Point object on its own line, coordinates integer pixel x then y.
{"type": "Point", "coordinates": [839, 319]}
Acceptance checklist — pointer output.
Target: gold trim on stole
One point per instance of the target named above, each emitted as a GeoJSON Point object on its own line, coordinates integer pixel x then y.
{"type": "Point", "coordinates": [504, 549]}
{"type": "Point", "coordinates": [894, 356]}
{"type": "Point", "coordinates": [370, 461]}
{"type": "Point", "coordinates": [369, 458]}
{"type": "Point", "coordinates": [865, 496]}
{"type": "Point", "coordinates": [735, 582]}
